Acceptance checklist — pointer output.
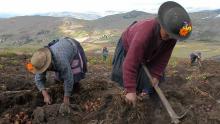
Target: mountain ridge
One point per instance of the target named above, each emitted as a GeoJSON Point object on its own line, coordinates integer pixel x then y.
{"type": "Point", "coordinates": [27, 29]}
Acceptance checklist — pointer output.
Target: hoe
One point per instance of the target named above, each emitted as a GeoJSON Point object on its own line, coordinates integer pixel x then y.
{"type": "Point", "coordinates": [174, 117]}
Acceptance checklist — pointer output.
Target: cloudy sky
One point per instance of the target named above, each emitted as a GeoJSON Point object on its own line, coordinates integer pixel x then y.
{"type": "Point", "coordinates": [25, 7]}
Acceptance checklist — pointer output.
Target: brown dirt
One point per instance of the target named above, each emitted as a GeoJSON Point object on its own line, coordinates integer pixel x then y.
{"type": "Point", "coordinates": [101, 101]}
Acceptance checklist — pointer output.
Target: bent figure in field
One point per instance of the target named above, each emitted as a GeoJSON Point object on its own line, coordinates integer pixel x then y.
{"type": "Point", "coordinates": [196, 57]}
{"type": "Point", "coordinates": [105, 53]}
{"type": "Point", "coordinates": [149, 42]}
{"type": "Point", "coordinates": [66, 58]}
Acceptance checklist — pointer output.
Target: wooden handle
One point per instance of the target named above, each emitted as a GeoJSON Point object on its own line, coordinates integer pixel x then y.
{"type": "Point", "coordinates": [173, 115]}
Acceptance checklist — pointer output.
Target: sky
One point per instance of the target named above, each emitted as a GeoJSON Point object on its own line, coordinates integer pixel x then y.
{"type": "Point", "coordinates": [25, 7]}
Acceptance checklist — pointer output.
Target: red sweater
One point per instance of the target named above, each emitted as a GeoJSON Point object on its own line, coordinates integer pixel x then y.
{"type": "Point", "coordinates": [143, 44]}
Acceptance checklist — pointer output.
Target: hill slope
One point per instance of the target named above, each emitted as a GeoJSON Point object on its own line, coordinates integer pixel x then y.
{"type": "Point", "coordinates": [28, 29]}
{"type": "Point", "coordinates": [21, 30]}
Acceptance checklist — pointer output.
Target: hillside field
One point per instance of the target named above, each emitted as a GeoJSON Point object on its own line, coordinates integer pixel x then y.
{"type": "Point", "coordinates": [101, 101]}
{"type": "Point", "coordinates": [181, 50]}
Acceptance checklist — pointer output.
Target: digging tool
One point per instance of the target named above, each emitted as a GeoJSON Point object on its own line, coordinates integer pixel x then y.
{"type": "Point", "coordinates": [174, 117]}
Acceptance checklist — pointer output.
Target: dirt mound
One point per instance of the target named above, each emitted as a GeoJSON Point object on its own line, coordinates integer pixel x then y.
{"type": "Point", "coordinates": [101, 101]}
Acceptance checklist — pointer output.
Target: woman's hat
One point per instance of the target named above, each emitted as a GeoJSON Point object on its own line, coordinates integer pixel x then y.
{"type": "Point", "coordinates": [175, 20]}
{"type": "Point", "coordinates": [41, 60]}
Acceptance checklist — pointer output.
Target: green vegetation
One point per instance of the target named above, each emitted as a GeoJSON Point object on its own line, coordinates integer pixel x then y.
{"type": "Point", "coordinates": [12, 51]}
{"type": "Point", "coordinates": [14, 62]}
{"type": "Point", "coordinates": [6, 50]}
{"type": "Point", "coordinates": [181, 50]}
{"type": "Point", "coordinates": [99, 60]}
{"type": "Point", "coordinates": [92, 47]}
{"type": "Point", "coordinates": [1, 66]}
{"type": "Point", "coordinates": [95, 60]}
{"type": "Point", "coordinates": [208, 49]}
{"type": "Point", "coordinates": [109, 60]}
{"type": "Point", "coordinates": [7, 54]}
{"type": "Point", "coordinates": [189, 78]}
{"type": "Point", "coordinates": [204, 76]}
{"type": "Point", "coordinates": [173, 62]}
{"type": "Point", "coordinates": [79, 33]}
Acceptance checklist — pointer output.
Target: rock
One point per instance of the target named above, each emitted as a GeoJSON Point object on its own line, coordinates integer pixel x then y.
{"type": "Point", "coordinates": [39, 116]}
{"type": "Point", "coordinates": [64, 109]}
{"type": "Point", "coordinates": [49, 114]}
{"type": "Point", "coordinates": [214, 116]}
{"type": "Point", "coordinates": [61, 120]}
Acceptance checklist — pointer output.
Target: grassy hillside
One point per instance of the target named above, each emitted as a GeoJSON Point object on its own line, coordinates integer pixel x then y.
{"type": "Point", "coordinates": [208, 49]}
{"type": "Point", "coordinates": [118, 21]}
{"type": "Point", "coordinates": [181, 50]}
{"type": "Point", "coordinates": [23, 30]}
{"type": "Point", "coordinates": [204, 24]}
{"type": "Point", "coordinates": [27, 29]}
{"type": "Point", "coordinates": [28, 33]}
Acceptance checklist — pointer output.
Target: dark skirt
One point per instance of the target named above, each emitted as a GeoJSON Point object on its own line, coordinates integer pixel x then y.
{"type": "Point", "coordinates": [143, 82]}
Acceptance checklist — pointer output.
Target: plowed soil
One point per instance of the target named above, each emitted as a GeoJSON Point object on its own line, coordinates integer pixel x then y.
{"type": "Point", "coordinates": [101, 101]}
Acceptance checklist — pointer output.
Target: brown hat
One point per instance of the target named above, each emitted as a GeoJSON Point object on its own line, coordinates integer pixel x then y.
{"type": "Point", "coordinates": [41, 60]}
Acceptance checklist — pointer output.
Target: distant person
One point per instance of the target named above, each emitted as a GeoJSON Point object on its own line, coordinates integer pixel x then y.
{"type": "Point", "coordinates": [66, 58]}
{"type": "Point", "coordinates": [105, 53]}
{"type": "Point", "coordinates": [149, 42]}
{"type": "Point", "coordinates": [195, 57]}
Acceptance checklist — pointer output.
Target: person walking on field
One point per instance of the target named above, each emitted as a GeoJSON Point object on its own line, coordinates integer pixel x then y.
{"type": "Point", "coordinates": [105, 53]}
{"type": "Point", "coordinates": [149, 42]}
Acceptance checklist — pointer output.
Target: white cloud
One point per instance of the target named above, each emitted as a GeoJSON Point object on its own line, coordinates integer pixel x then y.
{"type": "Point", "coordinates": [100, 6]}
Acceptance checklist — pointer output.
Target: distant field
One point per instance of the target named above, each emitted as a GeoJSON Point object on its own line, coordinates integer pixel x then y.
{"type": "Point", "coordinates": [181, 50]}
{"type": "Point", "coordinates": [208, 49]}
{"type": "Point", "coordinates": [24, 49]}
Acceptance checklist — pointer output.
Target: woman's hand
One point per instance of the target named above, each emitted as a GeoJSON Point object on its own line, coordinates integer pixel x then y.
{"type": "Point", "coordinates": [47, 98]}
{"type": "Point", "coordinates": [131, 99]}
